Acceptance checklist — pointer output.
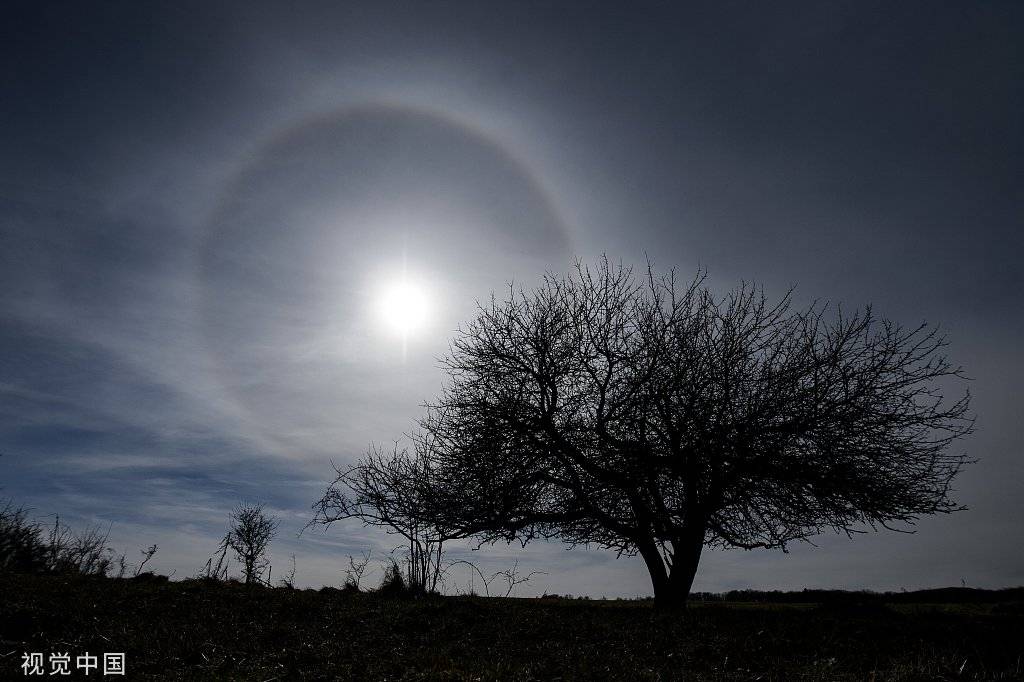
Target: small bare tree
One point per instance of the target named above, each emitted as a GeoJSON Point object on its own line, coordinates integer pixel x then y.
{"type": "Point", "coordinates": [288, 581]}
{"type": "Point", "coordinates": [513, 578]}
{"type": "Point", "coordinates": [388, 489]}
{"type": "Point", "coordinates": [250, 533]}
{"type": "Point", "coordinates": [147, 554]}
{"type": "Point", "coordinates": [356, 569]}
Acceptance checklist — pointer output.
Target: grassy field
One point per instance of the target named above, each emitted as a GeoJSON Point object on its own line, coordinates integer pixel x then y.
{"type": "Point", "coordinates": [209, 630]}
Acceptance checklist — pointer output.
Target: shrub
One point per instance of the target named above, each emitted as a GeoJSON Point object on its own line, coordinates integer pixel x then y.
{"type": "Point", "coordinates": [251, 531]}
{"type": "Point", "coordinates": [22, 547]}
{"type": "Point", "coordinates": [393, 582]}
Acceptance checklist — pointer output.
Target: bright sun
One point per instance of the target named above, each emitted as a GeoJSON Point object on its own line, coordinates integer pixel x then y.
{"type": "Point", "coordinates": [404, 307]}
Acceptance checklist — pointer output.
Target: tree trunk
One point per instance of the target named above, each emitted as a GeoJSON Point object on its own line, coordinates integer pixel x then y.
{"type": "Point", "coordinates": [672, 588]}
{"type": "Point", "coordinates": [656, 567]}
{"type": "Point", "coordinates": [686, 553]}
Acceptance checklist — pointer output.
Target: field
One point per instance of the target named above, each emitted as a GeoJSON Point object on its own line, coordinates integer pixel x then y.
{"type": "Point", "coordinates": [210, 630]}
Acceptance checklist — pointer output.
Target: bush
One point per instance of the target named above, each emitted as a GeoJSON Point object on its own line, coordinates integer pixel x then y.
{"type": "Point", "coordinates": [22, 548]}
{"type": "Point", "coordinates": [393, 582]}
{"type": "Point", "coordinates": [85, 553]}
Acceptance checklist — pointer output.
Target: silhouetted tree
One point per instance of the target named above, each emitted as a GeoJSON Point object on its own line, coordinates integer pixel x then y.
{"type": "Point", "coordinates": [656, 419]}
{"type": "Point", "coordinates": [147, 554]}
{"type": "Point", "coordinates": [288, 581]}
{"type": "Point", "coordinates": [513, 578]}
{"type": "Point", "coordinates": [250, 533]}
{"type": "Point", "coordinates": [391, 490]}
{"type": "Point", "coordinates": [354, 572]}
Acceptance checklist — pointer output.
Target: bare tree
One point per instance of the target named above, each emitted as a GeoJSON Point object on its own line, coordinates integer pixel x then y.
{"type": "Point", "coordinates": [656, 419]}
{"type": "Point", "coordinates": [387, 489]}
{"type": "Point", "coordinates": [147, 554]}
{"type": "Point", "coordinates": [354, 572]}
{"type": "Point", "coordinates": [513, 578]}
{"type": "Point", "coordinates": [250, 533]}
{"type": "Point", "coordinates": [288, 581]}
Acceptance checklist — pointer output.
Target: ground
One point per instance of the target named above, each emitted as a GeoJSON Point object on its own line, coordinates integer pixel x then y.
{"type": "Point", "coordinates": [208, 630]}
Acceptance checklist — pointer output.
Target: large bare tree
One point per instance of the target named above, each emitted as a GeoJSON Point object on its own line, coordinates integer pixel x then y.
{"type": "Point", "coordinates": [654, 418]}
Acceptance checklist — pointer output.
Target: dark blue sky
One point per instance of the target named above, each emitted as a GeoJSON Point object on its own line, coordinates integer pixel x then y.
{"type": "Point", "coordinates": [200, 204]}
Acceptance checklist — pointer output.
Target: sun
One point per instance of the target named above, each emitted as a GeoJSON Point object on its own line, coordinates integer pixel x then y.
{"type": "Point", "coordinates": [404, 307]}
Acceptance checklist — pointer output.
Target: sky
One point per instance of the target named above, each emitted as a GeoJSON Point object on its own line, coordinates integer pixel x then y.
{"type": "Point", "coordinates": [202, 206]}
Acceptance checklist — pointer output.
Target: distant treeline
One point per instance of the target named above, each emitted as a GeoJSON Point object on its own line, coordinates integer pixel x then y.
{"type": "Point", "coordinates": [943, 595]}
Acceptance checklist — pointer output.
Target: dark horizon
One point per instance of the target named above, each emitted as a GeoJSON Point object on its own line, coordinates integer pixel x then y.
{"type": "Point", "coordinates": [204, 206]}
